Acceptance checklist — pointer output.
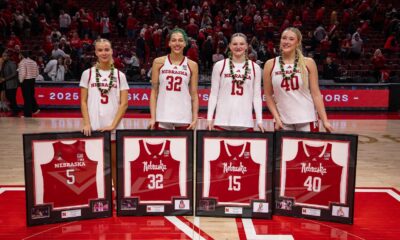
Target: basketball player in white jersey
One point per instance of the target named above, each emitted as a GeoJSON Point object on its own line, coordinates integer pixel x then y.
{"type": "Point", "coordinates": [235, 90]}
{"type": "Point", "coordinates": [291, 87]}
{"type": "Point", "coordinates": [174, 102]}
{"type": "Point", "coordinates": [104, 96]}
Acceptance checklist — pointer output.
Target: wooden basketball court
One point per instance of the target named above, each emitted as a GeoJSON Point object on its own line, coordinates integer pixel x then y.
{"type": "Point", "coordinates": [377, 178]}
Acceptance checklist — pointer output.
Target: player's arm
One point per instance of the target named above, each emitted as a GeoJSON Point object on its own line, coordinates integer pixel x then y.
{"type": "Point", "coordinates": [257, 101]}
{"type": "Point", "coordinates": [268, 91]}
{"type": "Point", "coordinates": [316, 93]}
{"type": "Point", "coordinates": [155, 72]}
{"type": "Point", "coordinates": [85, 113]}
{"type": "Point", "coordinates": [212, 100]}
{"type": "Point", "coordinates": [194, 93]}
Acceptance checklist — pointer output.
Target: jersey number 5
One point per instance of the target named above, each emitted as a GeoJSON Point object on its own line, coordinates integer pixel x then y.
{"type": "Point", "coordinates": [292, 84]}
{"type": "Point", "coordinates": [104, 98]}
{"type": "Point", "coordinates": [70, 176]}
{"type": "Point", "coordinates": [174, 83]}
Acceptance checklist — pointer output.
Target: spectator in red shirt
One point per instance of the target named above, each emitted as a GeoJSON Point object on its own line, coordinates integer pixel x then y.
{"type": "Point", "coordinates": [131, 26]}
{"type": "Point", "coordinates": [157, 35]}
{"type": "Point", "coordinates": [193, 52]}
{"type": "Point", "coordinates": [13, 40]}
{"type": "Point", "coordinates": [345, 46]}
{"type": "Point", "coordinates": [47, 45]}
{"type": "Point", "coordinates": [378, 61]}
{"type": "Point", "coordinates": [192, 28]}
{"type": "Point", "coordinates": [391, 44]}
{"type": "Point", "coordinates": [305, 16]}
{"type": "Point", "coordinates": [319, 15]}
{"type": "Point", "coordinates": [297, 23]}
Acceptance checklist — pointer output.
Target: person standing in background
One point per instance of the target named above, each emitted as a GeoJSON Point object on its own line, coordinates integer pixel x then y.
{"type": "Point", "coordinates": [28, 70]}
{"type": "Point", "coordinates": [9, 77]}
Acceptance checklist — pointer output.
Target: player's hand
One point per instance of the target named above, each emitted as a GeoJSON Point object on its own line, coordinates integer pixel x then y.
{"type": "Point", "coordinates": [261, 127]}
{"type": "Point", "coordinates": [278, 124]}
{"type": "Point", "coordinates": [86, 130]}
{"type": "Point", "coordinates": [192, 125]}
{"type": "Point", "coordinates": [152, 124]}
{"type": "Point", "coordinates": [108, 128]}
{"type": "Point", "coordinates": [328, 127]}
{"type": "Point", "coordinates": [210, 125]}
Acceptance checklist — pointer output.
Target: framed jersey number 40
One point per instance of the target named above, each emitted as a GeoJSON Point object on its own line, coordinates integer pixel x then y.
{"type": "Point", "coordinates": [315, 175]}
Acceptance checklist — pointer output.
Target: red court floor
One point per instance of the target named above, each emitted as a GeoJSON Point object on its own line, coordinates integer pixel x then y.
{"type": "Point", "coordinates": [377, 214]}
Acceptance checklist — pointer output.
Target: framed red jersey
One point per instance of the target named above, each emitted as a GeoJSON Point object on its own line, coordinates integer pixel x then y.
{"type": "Point", "coordinates": [315, 175]}
{"type": "Point", "coordinates": [155, 172]}
{"type": "Point", "coordinates": [67, 177]}
{"type": "Point", "coordinates": [234, 174]}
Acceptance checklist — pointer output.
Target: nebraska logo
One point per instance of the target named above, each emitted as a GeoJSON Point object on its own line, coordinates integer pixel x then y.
{"type": "Point", "coordinates": [148, 166]}
{"type": "Point", "coordinates": [305, 168]}
{"type": "Point", "coordinates": [231, 168]}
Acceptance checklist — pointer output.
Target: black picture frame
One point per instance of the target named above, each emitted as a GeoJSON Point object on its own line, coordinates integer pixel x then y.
{"type": "Point", "coordinates": [308, 167]}
{"type": "Point", "coordinates": [142, 193]}
{"type": "Point", "coordinates": [48, 181]}
{"type": "Point", "coordinates": [254, 145]}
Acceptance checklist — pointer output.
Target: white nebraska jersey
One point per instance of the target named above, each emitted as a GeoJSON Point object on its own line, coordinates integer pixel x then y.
{"type": "Point", "coordinates": [234, 103]}
{"type": "Point", "coordinates": [292, 98]}
{"type": "Point", "coordinates": [103, 108]}
{"type": "Point", "coordinates": [174, 102]}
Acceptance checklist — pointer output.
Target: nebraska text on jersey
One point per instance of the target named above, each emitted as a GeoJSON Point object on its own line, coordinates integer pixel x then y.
{"type": "Point", "coordinates": [148, 166]}
{"type": "Point", "coordinates": [286, 72]}
{"type": "Point", "coordinates": [102, 84]}
{"type": "Point", "coordinates": [237, 75]}
{"type": "Point", "coordinates": [69, 164]}
{"type": "Point", "coordinates": [172, 71]}
{"type": "Point", "coordinates": [308, 168]}
{"type": "Point", "coordinates": [231, 168]}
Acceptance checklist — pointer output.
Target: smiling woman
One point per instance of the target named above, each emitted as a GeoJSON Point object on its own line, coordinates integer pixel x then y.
{"type": "Point", "coordinates": [291, 87]}
{"type": "Point", "coordinates": [235, 90]}
{"type": "Point", "coordinates": [174, 101]}
{"type": "Point", "coordinates": [104, 96]}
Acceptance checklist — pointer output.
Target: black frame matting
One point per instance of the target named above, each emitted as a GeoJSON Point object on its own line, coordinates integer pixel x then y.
{"type": "Point", "coordinates": [133, 206]}
{"type": "Point", "coordinates": [343, 153]}
{"type": "Point", "coordinates": [45, 213]}
{"type": "Point", "coordinates": [208, 206]}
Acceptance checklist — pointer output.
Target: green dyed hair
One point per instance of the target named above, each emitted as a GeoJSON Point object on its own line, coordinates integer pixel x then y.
{"type": "Point", "coordinates": [181, 31]}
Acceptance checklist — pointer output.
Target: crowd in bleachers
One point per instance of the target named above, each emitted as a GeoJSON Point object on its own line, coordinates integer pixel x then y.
{"type": "Point", "coordinates": [347, 38]}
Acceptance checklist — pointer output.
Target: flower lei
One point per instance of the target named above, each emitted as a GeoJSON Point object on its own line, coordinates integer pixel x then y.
{"type": "Point", "coordinates": [110, 84]}
{"type": "Point", "coordinates": [246, 70]}
{"type": "Point", "coordinates": [282, 64]}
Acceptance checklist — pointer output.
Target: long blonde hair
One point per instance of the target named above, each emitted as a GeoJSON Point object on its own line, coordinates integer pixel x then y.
{"type": "Point", "coordinates": [299, 52]}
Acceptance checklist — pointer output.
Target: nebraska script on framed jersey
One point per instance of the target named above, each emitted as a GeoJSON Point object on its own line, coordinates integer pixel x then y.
{"type": "Point", "coordinates": [67, 177]}
{"type": "Point", "coordinates": [234, 174]}
{"type": "Point", "coordinates": [315, 175]}
{"type": "Point", "coordinates": [155, 172]}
